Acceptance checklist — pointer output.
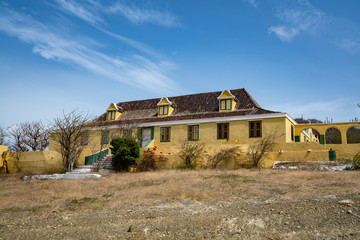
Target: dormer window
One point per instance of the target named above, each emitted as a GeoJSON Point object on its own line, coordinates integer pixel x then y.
{"type": "Point", "coordinates": [111, 115]}
{"type": "Point", "coordinates": [227, 101]}
{"type": "Point", "coordinates": [225, 104]}
{"type": "Point", "coordinates": [163, 110]}
{"type": "Point", "coordinates": [113, 112]}
{"type": "Point", "coordinates": [165, 107]}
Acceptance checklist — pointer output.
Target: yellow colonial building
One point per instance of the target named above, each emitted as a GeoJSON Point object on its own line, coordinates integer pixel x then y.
{"type": "Point", "coordinates": [219, 120]}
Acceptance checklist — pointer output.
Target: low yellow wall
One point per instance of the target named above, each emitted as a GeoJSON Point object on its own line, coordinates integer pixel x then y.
{"type": "Point", "coordinates": [344, 151]}
{"type": "Point", "coordinates": [38, 162]}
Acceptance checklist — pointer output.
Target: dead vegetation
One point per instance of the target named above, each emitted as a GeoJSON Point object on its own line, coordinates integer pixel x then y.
{"type": "Point", "coordinates": [209, 203]}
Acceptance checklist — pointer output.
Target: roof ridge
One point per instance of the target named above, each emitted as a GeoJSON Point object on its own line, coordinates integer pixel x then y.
{"type": "Point", "coordinates": [185, 95]}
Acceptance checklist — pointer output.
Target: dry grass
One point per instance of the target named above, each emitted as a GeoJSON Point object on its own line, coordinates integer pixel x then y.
{"type": "Point", "coordinates": [114, 190]}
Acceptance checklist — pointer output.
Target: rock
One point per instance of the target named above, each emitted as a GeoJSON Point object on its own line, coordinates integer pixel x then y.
{"type": "Point", "coordinates": [346, 201]}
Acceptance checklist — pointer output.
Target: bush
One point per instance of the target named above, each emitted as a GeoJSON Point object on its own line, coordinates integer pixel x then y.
{"type": "Point", "coordinates": [356, 161]}
{"type": "Point", "coordinates": [148, 160]}
{"type": "Point", "coordinates": [125, 152]}
{"type": "Point", "coordinates": [222, 157]}
{"type": "Point", "coordinates": [190, 152]}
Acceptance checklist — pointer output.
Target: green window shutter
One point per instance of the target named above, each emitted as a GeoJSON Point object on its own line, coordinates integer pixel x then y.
{"type": "Point", "coordinates": [297, 138]}
{"type": "Point", "coordinates": [196, 132]}
{"type": "Point", "coordinates": [228, 104]}
{"type": "Point", "coordinates": [222, 104]}
{"type": "Point", "coordinates": [152, 132]}
{"type": "Point", "coordinates": [322, 140]}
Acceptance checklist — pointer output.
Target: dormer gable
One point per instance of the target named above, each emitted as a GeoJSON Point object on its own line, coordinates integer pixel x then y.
{"type": "Point", "coordinates": [113, 112]}
{"type": "Point", "coordinates": [227, 101]}
{"type": "Point", "coordinates": [165, 107]}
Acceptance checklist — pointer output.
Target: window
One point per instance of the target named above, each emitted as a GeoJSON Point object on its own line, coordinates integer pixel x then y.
{"type": "Point", "coordinates": [225, 104]}
{"type": "Point", "coordinates": [111, 115]}
{"type": "Point", "coordinates": [85, 138]}
{"type": "Point", "coordinates": [163, 110]}
{"type": "Point", "coordinates": [165, 134]}
{"type": "Point", "coordinates": [223, 130]}
{"type": "Point", "coordinates": [255, 129]}
{"type": "Point", "coordinates": [105, 136]}
{"type": "Point", "coordinates": [292, 133]}
{"type": "Point", "coordinates": [193, 133]}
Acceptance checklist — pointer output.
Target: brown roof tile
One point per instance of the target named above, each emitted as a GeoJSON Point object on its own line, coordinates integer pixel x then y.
{"type": "Point", "coordinates": [193, 106]}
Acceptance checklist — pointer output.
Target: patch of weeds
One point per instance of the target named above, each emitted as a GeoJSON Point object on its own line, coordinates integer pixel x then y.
{"type": "Point", "coordinates": [230, 177]}
{"type": "Point", "coordinates": [81, 200]}
{"type": "Point", "coordinates": [147, 183]}
{"type": "Point", "coordinates": [26, 209]}
{"type": "Point", "coordinates": [129, 229]}
{"type": "Point", "coordinates": [106, 195]}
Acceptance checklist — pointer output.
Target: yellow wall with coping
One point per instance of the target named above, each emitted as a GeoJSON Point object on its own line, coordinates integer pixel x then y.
{"type": "Point", "coordinates": [37, 162]}
{"type": "Point", "coordinates": [343, 150]}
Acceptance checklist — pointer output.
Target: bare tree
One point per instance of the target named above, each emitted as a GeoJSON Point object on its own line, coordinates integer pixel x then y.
{"type": "Point", "coordinates": [29, 136]}
{"type": "Point", "coordinates": [223, 156]}
{"type": "Point", "coordinates": [17, 139]}
{"type": "Point", "coordinates": [257, 150]}
{"type": "Point", "coordinates": [68, 132]}
{"type": "Point", "coordinates": [36, 136]}
{"type": "Point", "coordinates": [2, 136]}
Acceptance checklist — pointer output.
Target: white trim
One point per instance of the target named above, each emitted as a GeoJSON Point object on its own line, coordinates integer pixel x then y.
{"type": "Point", "coordinates": [217, 119]}
{"type": "Point", "coordinates": [305, 133]}
{"type": "Point", "coordinates": [208, 120]}
{"type": "Point", "coordinates": [232, 96]}
{"type": "Point", "coordinates": [161, 104]}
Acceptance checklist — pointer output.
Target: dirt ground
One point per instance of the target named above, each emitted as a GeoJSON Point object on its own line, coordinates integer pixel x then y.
{"type": "Point", "coordinates": [171, 204]}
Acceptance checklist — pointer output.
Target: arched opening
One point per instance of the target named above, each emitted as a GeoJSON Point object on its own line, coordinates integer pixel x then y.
{"type": "Point", "coordinates": [332, 136]}
{"type": "Point", "coordinates": [309, 135]}
{"type": "Point", "coordinates": [353, 135]}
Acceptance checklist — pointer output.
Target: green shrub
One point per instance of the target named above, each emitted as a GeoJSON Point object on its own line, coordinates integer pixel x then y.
{"type": "Point", "coordinates": [125, 152]}
{"type": "Point", "coordinates": [356, 161]}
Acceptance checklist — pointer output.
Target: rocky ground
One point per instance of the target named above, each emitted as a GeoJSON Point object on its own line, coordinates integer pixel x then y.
{"type": "Point", "coordinates": [169, 204]}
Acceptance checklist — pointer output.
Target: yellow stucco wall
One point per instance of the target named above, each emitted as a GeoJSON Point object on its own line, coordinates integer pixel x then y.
{"type": "Point", "coordinates": [3, 149]}
{"type": "Point", "coordinates": [344, 150]}
{"type": "Point", "coordinates": [38, 162]}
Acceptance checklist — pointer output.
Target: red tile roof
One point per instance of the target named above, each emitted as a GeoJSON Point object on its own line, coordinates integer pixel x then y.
{"type": "Point", "coordinates": [192, 106]}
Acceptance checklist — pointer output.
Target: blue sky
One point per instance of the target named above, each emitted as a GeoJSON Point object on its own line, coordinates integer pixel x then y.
{"type": "Point", "coordinates": [295, 56]}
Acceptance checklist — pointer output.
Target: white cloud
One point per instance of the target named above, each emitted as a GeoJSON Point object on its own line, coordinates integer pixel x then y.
{"type": "Point", "coordinates": [90, 11]}
{"type": "Point", "coordinates": [285, 33]}
{"type": "Point", "coordinates": [141, 15]}
{"type": "Point", "coordinates": [301, 17]}
{"type": "Point", "coordinates": [86, 12]}
{"type": "Point", "coordinates": [350, 45]}
{"type": "Point", "coordinates": [253, 3]}
{"type": "Point", "coordinates": [133, 70]}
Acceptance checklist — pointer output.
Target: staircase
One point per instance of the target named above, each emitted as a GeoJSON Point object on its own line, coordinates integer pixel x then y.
{"type": "Point", "coordinates": [103, 165]}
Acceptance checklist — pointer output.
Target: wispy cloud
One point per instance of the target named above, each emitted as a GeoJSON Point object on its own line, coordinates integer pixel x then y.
{"type": "Point", "coordinates": [285, 33]}
{"type": "Point", "coordinates": [301, 17]}
{"type": "Point", "coordinates": [141, 15]}
{"type": "Point", "coordinates": [253, 3]}
{"type": "Point", "coordinates": [86, 11]}
{"type": "Point", "coordinates": [90, 11]}
{"type": "Point", "coordinates": [133, 69]}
